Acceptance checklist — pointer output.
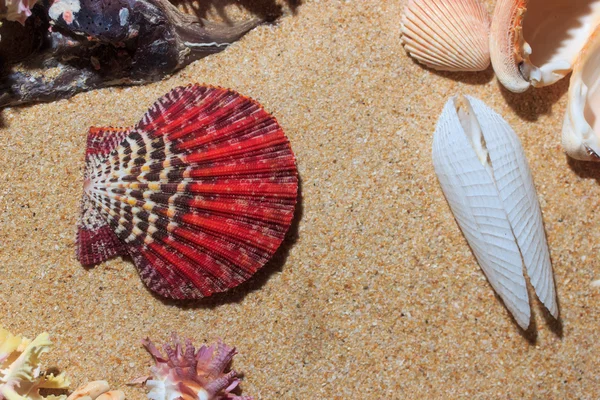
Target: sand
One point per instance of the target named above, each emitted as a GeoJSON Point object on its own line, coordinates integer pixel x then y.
{"type": "Point", "coordinates": [375, 293]}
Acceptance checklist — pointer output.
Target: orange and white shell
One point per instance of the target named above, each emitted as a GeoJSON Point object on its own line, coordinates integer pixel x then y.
{"type": "Point", "coordinates": [96, 390]}
{"type": "Point", "coordinates": [536, 42]}
{"type": "Point", "coordinates": [581, 127]}
{"type": "Point", "coordinates": [447, 35]}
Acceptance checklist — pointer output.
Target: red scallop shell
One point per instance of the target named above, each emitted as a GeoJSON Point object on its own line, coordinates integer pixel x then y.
{"type": "Point", "coordinates": [200, 193]}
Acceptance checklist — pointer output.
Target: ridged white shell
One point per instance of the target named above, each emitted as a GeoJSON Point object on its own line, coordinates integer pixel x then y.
{"type": "Point", "coordinates": [484, 175]}
{"type": "Point", "coordinates": [536, 42]}
{"type": "Point", "coordinates": [447, 35]}
{"type": "Point", "coordinates": [581, 127]}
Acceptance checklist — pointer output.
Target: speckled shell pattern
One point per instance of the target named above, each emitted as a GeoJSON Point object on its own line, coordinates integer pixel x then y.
{"type": "Point", "coordinates": [200, 193]}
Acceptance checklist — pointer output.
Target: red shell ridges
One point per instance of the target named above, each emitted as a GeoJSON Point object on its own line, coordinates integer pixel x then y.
{"type": "Point", "coordinates": [200, 193]}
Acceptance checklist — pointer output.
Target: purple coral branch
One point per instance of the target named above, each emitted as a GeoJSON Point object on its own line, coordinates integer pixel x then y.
{"type": "Point", "coordinates": [192, 372]}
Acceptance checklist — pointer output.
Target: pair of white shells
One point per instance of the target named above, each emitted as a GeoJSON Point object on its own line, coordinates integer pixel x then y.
{"type": "Point", "coordinates": [529, 42]}
{"type": "Point", "coordinates": [485, 177]}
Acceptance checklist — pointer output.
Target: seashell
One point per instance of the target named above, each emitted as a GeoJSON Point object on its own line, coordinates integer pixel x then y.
{"type": "Point", "coordinates": [20, 376]}
{"type": "Point", "coordinates": [536, 42]}
{"type": "Point", "coordinates": [200, 193]}
{"type": "Point", "coordinates": [447, 35]}
{"type": "Point", "coordinates": [90, 391]}
{"type": "Point", "coordinates": [485, 177]}
{"type": "Point", "coordinates": [112, 395]}
{"type": "Point", "coordinates": [189, 374]}
{"type": "Point", "coordinates": [96, 390]}
{"type": "Point", "coordinates": [581, 127]}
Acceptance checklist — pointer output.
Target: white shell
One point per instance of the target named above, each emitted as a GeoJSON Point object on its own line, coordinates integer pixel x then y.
{"type": "Point", "coordinates": [484, 175]}
{"type": "Point", "coordinates": [448, 35]}
{"type": "Point", "coordinates": [581, 127]}
{"type": "Point", "coordinates": [536, 42]}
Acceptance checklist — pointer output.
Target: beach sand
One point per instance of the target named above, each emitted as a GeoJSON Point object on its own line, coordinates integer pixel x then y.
{"type": "Point", "coordinates": [375, 293]}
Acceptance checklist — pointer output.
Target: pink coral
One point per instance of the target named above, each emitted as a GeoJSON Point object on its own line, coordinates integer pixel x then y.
{"type": "Point", "coordinates": [189, 374]}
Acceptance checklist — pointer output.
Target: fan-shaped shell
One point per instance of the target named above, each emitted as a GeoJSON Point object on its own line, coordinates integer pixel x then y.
{"type": "Point", "coordinates": [581, 127]}
{"type": "Point", "coordinates": [200, 193]}
{"type": "Point", "coordinates": [536, 42]}
{"type": "Point", "coordinates": [447, 35]}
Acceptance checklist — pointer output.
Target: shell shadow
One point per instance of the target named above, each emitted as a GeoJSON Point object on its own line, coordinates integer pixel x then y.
{"type": "Point", "coordinates": [555, 324]}
{"type": "Point", "coordinates": [269, 10]}
{"type": "Point", "coordinates": [469, 78]}
{"type": "Point", "coordinates": [258, 280]}
{"type": "Point", "coordinates": [584, 169]}
{"type": "Point", "coordinates": [529, 334]}
{"type": "Point", "coordinates": [536, 307]}
{"type": "Point", "coordinates": [535, 101]}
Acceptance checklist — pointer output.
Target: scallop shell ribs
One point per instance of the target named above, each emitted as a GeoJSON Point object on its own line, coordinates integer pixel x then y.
{"type": "Point", "coordinates": [447, 35]}
{"type": "Point", "coordinates": [200, 193]}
